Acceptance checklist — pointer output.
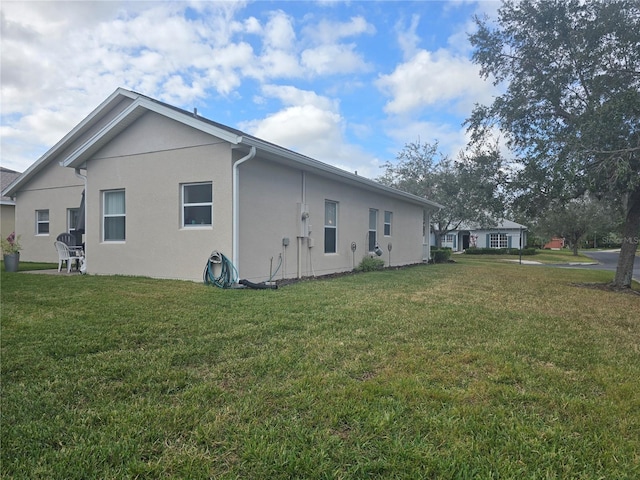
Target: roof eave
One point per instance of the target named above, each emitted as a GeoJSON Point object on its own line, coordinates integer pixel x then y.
{"type": "Point", "coordinates": [316, 165]}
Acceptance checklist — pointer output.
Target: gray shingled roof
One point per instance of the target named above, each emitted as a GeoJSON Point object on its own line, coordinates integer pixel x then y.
{"type": "Point", "coordinates": [7, 177]}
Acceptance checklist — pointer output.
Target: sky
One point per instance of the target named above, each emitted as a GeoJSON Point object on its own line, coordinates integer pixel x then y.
{"type": "Point", "coordinates": [347, 83]}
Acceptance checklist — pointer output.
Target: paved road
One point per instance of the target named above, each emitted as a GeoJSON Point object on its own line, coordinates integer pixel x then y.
{"type": "Point", "coordinates": [608, 260]}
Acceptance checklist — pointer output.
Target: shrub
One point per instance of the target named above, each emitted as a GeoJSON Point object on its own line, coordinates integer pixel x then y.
{"type": "Point", "coordinates": [440, 255]}
{"type": "Point", "coordinates": [499, 251]}
{"type": "Point", "coordinates": [369, 264]}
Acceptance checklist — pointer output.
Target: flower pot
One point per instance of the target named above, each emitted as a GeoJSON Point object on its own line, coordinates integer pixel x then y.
{"type": "Point", "coordinates": [11, 262]}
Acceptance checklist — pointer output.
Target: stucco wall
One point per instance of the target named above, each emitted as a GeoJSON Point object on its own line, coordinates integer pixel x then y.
{"type": "Point", "coordinates": [56, 189]}
{"type": "Point", "coordinates": [150, 161]}
{"type": "Point", "coordinates": [270, 211]}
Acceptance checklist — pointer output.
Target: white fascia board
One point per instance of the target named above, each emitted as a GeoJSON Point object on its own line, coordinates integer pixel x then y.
{"type": "Point", "coordinates": [132, 113]}
{"type": "Point", "coordinates": [348, 177]}
{"type": "Point", "coordinates": [44, 159]}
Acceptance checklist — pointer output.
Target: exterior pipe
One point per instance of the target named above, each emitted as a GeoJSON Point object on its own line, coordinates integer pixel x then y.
{"type": "Point", "coordinates": [236, 205]}
{"type": "Point", "coordinates": [84, 179]}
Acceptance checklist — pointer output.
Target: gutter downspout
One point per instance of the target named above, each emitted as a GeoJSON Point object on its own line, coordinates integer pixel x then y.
{"type": "Point", "coordinates": [84, 179]}
{"type": "Point", "coordinates": [236, 205]}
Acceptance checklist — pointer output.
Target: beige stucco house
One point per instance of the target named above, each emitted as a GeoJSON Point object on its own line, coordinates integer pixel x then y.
{"type": "Point", "coordinates": [165, 187]}
{"type": "Point", "coordinates": [7, 204]}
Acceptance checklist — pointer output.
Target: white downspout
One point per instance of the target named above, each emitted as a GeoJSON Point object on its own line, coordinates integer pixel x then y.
{"type": "Point", "coordinates": [236, 205]}
{"type": "Point", "coordinates": [84, 179]}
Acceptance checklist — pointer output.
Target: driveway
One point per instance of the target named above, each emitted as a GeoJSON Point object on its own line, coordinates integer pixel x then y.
{"type": "Point", "coordinates": [608, 260]}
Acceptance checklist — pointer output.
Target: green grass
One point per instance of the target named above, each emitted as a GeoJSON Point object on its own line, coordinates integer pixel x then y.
{"type": "Point", "coordinates": [469, 370]}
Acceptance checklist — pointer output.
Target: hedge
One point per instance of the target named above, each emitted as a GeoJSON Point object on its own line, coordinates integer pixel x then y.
{"type": "Point", "coordinates": [440, 255]}
{"type": "Point", "coordinates": [500, 251]}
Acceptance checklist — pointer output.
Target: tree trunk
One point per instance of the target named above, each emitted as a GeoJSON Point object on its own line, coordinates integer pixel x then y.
{"type": "Point", "coordinates": [630, 234]}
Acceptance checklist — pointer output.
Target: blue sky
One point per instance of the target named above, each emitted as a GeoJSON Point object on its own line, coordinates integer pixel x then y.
{"type": "Point", "coordinates": [348, 83]}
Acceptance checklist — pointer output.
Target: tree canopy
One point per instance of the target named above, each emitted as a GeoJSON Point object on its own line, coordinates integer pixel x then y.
{"type": "Point", "coordinates": [571, 106]}
{"type": "Point", "coordinates": [468, 188]}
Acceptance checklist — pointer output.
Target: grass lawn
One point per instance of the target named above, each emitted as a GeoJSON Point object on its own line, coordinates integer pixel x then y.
{"type": "Point", "coordinates": [474, 369]}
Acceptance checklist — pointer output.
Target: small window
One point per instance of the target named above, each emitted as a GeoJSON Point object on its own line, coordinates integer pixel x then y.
{"type": "Point", "coordinates": [197, 204]}
{"type": "Point", "coordinates": [330, 227]}
{"type": "Point", "coordinates": [388, 216]}
{"type": "Point", "coordinates": [42, 222]}
{"type": "Point", "coordinates": [498, 240]}
{"type": "Point", "coordinates": [72, 219]}
{"type": "Point", "coordinates": [114, 216]}
{"type": "Point", "coordinates": [373, 229]}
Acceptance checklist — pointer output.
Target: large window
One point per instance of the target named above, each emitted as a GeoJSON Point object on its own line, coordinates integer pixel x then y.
{"type": "Point", "coordinates": [498, 240]}
{"type": "Point", "coordinates": [197, 204]}
{"type": "Point", "coordinates": [42, 222]}
{"type": "Point", "coordinates": [330, 227]}
{"type": "Point", "coordinates": [388, 217]}
{"type": "Point", "coordinates": [373, 229]}
{"type": "Point", "coordinates": [114, 216]}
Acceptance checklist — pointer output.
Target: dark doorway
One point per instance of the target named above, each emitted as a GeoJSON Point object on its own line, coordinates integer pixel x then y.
{"type": "Point", "coordinates": [465, 241]}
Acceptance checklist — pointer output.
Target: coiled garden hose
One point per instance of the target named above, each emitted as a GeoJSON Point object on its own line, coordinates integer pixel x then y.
{"type": "Point", "coordinates": [228, 275]}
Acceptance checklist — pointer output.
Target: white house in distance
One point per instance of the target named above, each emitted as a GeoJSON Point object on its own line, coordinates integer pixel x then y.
{"type": "Point", "coordinates": [504, 234]}
{"type": "Point", "coordinates": [164, 187]}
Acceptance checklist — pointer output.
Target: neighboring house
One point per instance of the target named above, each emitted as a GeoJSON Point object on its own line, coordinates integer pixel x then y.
{"type": "Point", "coordinates": [556, 243]}
{"type": "Point", "coordinates": [7, 204]}
{"type": "Point", "coordinates": [164, 187]}
{"type": "Point", "coordinates": [505, 234]}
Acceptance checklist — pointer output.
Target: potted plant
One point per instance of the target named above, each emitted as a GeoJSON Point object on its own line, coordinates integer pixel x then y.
{"type": "Point", "coordinates": [11, 252]}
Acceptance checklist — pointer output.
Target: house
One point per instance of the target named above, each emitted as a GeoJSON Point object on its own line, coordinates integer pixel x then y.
{"type": "Point", "coordinates": [164, 187]}
{"type": "Point", "coordinates": [504, 234]}
{"type": "Point", "coordinates": [7, 204]}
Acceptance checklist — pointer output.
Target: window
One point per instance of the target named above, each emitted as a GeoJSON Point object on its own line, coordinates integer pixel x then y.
{"type": "Point", "coordinates": [197, 204]}
{"type": "Point", "coordinates": [448, 238]}
{"type": "Point", "coordinates": [373, 231]}
{"type": "Point", "coordinates": [72, 219]}
{"type": "Point", "coordinates": [114, 216]}
{"type": "Point", "coordinates": [330, 226]}
{"type": "Point", "coordinates": [498, 240]}
{"type": "Point", "coordinates": [42, 222]}
{"type": "Point", "coordinates": [388, 216]}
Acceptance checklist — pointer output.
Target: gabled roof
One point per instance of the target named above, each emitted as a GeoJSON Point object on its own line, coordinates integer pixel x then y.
{"type": "Point", "coordinates": [141, 104]}
{"type": "Point", "coordinates": [7, 177]}
{"type": "Point", "coordinates": [503, 224]}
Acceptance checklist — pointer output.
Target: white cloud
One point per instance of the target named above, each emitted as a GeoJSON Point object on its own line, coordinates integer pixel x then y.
{"type": "Point", "coordinates": [433, 78]}
{"type": "Point", "coordinates": [332, 59]}
{"type": "Point", "coordinates": [407, 37]}
{"type": "Point", "coordinates": [311, 125]}
{"type": "Point", "coordinates": [328, 32]}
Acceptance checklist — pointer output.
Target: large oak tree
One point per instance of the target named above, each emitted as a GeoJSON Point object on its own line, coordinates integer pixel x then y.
{"type": "Point", "coordinates": [571, 106]}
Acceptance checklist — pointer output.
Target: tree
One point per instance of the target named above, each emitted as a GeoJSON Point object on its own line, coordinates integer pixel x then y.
{"type": "Point", "coordinates": [574, 219]}
{"type": "Point", "coordinates": [571, 109]}
{"type": "Point", "coordinates": [467, 188]}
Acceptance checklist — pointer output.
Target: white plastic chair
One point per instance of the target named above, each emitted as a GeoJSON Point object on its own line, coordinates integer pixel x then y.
{"type": "Point", "coordinates": [66, 255]}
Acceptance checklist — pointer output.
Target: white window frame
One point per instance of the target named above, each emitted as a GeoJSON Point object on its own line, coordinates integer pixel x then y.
{"type": "Point", "coordinates": [498, 240]}
{"type": "Point", "coordinates": [329, 226]}
{"type": "Point", "coordinates": [184, 205]}
{"type": "Point", "coordinates": [373, 231]}
{"type": "Point", "coordinates": [388, 220]}
{"type": "Point", "coordinates": [40, 222]}
{"type": "Point", "coordinates": [70, 213]}
{"type": "Point", "coordinates": [113, 215]}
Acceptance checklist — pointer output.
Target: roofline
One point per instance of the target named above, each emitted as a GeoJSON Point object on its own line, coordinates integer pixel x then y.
{"type": "Point", "coordinates": [140, 106]}
{"type": "Point", "coordinates": [43, 160]}
{"type": "Point", "coordinates": [142, 103]}
{"type": "Point", "coordinates": [330, 169]}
